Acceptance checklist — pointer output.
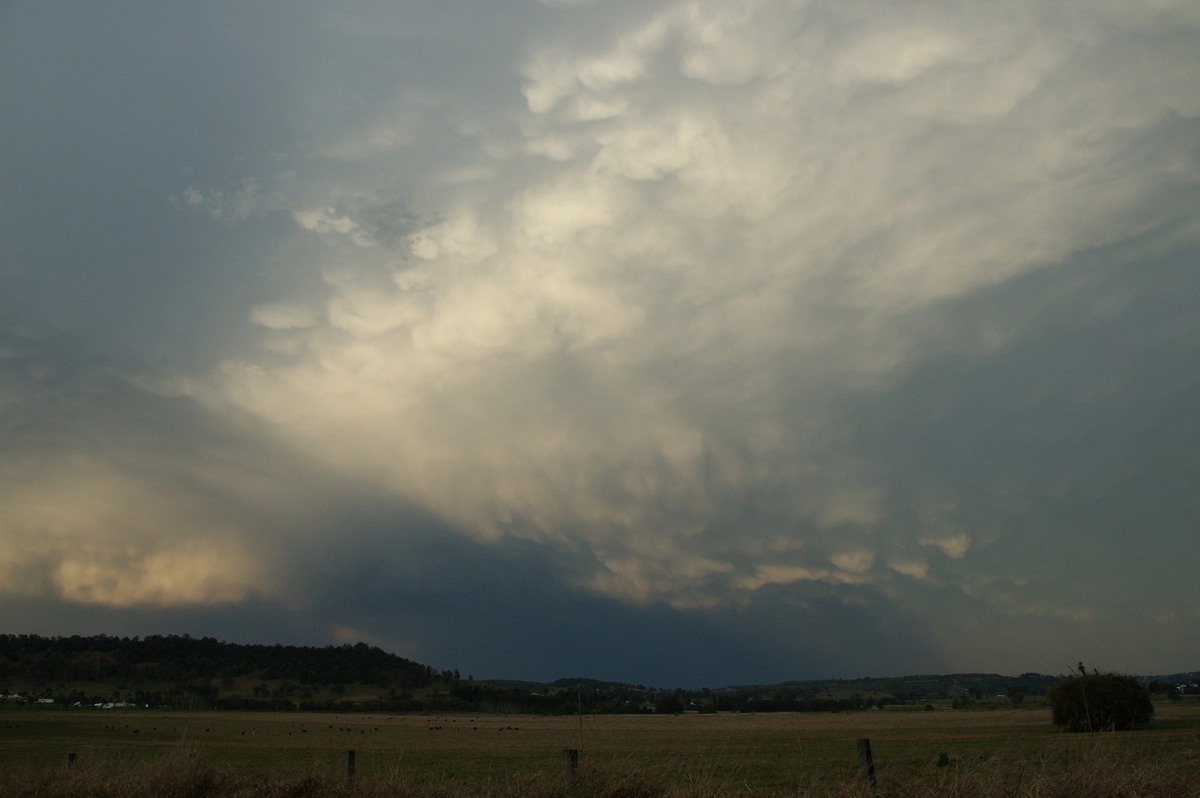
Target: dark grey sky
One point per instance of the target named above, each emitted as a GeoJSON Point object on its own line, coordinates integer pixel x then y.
{"type": "Point", "coordinates": [670, 342]}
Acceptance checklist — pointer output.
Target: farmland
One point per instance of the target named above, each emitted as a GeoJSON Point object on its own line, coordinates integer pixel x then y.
{"type": "Point", "coordinates": [688, 754]}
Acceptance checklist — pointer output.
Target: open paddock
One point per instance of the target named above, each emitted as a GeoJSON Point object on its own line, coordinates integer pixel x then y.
{"type": "Point", "coordinates": [768, 754]}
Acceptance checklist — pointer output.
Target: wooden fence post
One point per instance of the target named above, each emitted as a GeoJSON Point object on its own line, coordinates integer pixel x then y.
{"type": "Point", "coordinates": [570, 762]}
{"type": "Point", "coordinates": [348, 766]}
{"type": "Point", "coordinates": [866, 765]}
{"type": "Point", "coordinates": [71, 760]}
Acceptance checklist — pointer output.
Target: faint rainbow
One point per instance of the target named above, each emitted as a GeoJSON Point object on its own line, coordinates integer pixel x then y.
{"type": "Point", "coordinates": [346, 634]}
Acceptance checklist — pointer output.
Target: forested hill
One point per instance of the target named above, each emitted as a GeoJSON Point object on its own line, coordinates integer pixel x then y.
{"type": "Point", "coordinates": [194, 673]}
{"type": "Point", "coordinates": [181, 659]}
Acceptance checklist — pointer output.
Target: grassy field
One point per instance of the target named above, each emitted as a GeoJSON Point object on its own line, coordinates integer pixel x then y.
{"type": "Point", "coordinates": [988, 752]}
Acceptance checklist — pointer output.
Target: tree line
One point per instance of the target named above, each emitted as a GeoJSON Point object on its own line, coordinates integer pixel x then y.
{"type": "Point", "coordinates": [182, 672]}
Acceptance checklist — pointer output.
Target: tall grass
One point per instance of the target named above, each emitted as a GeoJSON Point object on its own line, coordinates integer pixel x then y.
{"type": "Point", "coordinates": [1096, 773]}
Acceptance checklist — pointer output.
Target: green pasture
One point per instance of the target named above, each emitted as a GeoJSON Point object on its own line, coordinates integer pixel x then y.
{"type": "Point", "coordinates": [759, 752]}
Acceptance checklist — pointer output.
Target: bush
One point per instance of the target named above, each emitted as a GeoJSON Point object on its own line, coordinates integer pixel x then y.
{"type": "Point", "coordinates": [1100, 702]}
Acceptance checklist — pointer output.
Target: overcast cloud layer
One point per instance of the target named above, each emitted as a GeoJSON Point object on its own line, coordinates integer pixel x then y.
{"type": "Point", "coordinates": [677, 342]}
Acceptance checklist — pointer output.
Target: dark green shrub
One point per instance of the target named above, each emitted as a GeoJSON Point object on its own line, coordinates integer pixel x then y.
{"type": "Point", "coordinates": [1100, 702]}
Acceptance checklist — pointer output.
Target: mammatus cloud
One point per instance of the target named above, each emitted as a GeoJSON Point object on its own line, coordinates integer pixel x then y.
{"type": "Point", "coordinates": [716, 226]}
{"type": "Point", "coordinates": [802, 310]}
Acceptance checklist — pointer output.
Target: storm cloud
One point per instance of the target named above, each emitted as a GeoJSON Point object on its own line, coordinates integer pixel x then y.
{"type": "Point", "coordinates": [663, 341]}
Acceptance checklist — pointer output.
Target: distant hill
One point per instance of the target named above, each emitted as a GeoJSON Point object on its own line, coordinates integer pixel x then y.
{"type": "Point", "coordinates": [182, 658]}
{"type": "Point", "coordinates": [182, 671]}
{"type": "Point", "coordinates": [1189, 678]}
{"type": "Point", "coordinates": [955, 690]}
{"type": "Point", "coordinates": [185, 672]}
{"type": "Point", "coordinates": [916, 688]}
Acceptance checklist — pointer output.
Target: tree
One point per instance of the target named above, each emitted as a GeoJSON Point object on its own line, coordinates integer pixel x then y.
{"type": "Point", "coordinates": [1099, 702]}
{"type": "Point", "coordinates": [669, 704]}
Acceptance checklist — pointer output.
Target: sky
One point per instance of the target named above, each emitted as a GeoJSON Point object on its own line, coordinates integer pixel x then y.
{"type": "Point", "coordinates": [676, 342]}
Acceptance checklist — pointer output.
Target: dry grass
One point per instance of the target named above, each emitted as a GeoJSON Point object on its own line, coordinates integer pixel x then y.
{"type": "Point", "coordinates": [185, 775]}
{"type": "Point", "coordinates": [1009, 754]}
